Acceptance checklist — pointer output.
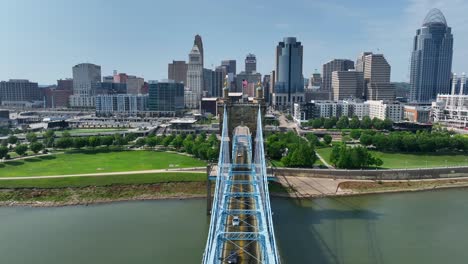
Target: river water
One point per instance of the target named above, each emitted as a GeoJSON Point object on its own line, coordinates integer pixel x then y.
{"type": "Point", "coordinates": [425, 227]}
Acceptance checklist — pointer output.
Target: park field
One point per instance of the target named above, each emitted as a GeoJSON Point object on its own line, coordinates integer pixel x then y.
{"type": "Point", "coordinates": [104, 180]}
{"type": "Point", "coordinates": [84, 162]}
{"type": "Point", "coordinates": [410, 160]}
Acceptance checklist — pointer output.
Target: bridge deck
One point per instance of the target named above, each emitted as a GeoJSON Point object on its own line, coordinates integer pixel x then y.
{"type": "Point", "coordinates": [241, 229]}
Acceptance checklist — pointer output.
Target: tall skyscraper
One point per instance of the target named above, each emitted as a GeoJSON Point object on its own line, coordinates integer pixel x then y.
{"type": "Point", "coordinates": [360, 61]}
{"type": "Point", "coordinates": [199, 43]}
{"type": "Point", "coordinates": [194, 87]}
{"type": "Point", "coordinates": [331, 66]}
{"type": "Point", "coordinates": [250, 63]}
{"type": "Point", "coordinates": [177, 71]}
{"type": "Point", "coordinates": [166, 97]}
{"type": "Point", "coordinates": [289, 85]}
{"type": "Point", "coordinates": [377, 76]}
{"type": "Point", "coordinates": [230, 66]}
{"type": "Point", "coordinates": [86, 79]}
{"type": "Point", "coordinates": [347, 84]}
{"type": "Point", "coordinates": [431, 58]}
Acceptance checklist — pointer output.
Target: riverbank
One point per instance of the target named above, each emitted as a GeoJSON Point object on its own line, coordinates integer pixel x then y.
{"type": "Point", "coordinates": [70, 196]}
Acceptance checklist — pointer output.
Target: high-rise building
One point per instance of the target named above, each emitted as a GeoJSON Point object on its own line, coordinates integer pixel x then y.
{"type": "Point", "coordinates": [250, 63]}
{"type": "Point", "coordinates": [177, 71]}
{"type": "Point", "coordinates": [194, 87]}
{"type": "Point", "coordinates": [431, 58]}
{"type": "Point", "coordinates": [14, 91]}
{"type": "Point", "coordinates": [199, 43]}
{"type": "Point", "coordinates": [128, 104]}
{"type": "Point", "coordinates": [266, 87]}
{"type": "Point", "coordinates": [230, 66]}
{"type": "Point", "coordinates": [360, 61]}
{"type": "Point", "coordinates": [315, 81]}
{"type": "Point", "coordinates": [377, 76]}
{"type": "Point", "coordinates": [134, 84]}
{"type": "Point", "coordinates": [331, 66]}
{"type": "Point", "coordinates": [166, 97]}
{"type": "Point", "coordinates": [347, 84]}
{"type": "Point", "coordinates": [386, 110]}
{"type": "Point", "coordinates": [207, 82]}
{"type": "Point", "coordinates": [58, 96]}
{"type": "Point", "coordinates": [248, 82]}
{"type": "Point", "coordinates": [120, 77]}
{"type": "Point", "coordinates": [86, 79]}
{"type": "Point", "coordinates": [289, 85]}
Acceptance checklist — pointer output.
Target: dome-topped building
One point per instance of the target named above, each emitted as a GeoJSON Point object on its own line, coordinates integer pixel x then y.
{"type": "Point", "coordinates": [434, 16]}
{"type": "Point", "coordinates": [431, 58]}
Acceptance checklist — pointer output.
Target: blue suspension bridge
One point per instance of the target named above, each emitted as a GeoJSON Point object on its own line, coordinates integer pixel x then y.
{"type": "Point", "coordinates": [241, 227]}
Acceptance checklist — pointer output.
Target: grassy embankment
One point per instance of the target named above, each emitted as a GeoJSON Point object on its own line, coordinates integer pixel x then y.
{"type": "Point", "coordinates": [410, 160]}
{"type": "Point", "coordinates": [96, 161]}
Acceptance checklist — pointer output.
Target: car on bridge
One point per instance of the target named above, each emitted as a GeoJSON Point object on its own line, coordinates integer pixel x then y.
{"type": "Point", "coordinates": [235, 221]}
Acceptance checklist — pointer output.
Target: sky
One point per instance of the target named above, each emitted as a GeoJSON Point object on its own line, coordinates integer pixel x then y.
{"type": "Point", "coordinates": [43, 40]}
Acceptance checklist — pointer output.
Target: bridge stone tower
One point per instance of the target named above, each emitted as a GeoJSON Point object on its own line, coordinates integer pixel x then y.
{"type": "Point", "coordinates": [242, 110]}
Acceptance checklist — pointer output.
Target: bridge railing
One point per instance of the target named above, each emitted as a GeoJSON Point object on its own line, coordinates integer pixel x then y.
{"type": "Point", "coordinates": [223, 170]}
{"type": "Point", "coordinates": [261, 174]}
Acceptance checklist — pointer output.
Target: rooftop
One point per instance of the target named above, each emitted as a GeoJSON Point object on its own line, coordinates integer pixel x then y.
{"type": "Point", "coordinates": [434, 16]}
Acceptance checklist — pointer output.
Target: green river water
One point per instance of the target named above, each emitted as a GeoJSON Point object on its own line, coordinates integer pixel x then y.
{"type": "Point", "coordinates": [425, 227]}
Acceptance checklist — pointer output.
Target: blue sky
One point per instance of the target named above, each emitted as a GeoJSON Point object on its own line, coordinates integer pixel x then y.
{"type": "Point", "coordinates": [42, 40]}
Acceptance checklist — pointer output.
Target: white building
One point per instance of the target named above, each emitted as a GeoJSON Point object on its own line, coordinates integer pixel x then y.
{"type": "Point", "coordinates": [452, 109]}
{"type": "Point", "coordinates": [127, 104]}
{"type": "Point", "coordinates": [194, 86]}
{"type": "Point", "coordinates": [86, 79]}
{"type": "Point", "coordinates": [383, 110]}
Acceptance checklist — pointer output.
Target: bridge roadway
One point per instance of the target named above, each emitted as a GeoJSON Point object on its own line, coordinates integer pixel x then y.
{"type": "Point", "coordinates": [241, 227]}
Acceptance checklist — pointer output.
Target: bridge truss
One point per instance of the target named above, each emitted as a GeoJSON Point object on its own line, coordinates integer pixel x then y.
{"type": "Point", "coordinates": [241, 226]}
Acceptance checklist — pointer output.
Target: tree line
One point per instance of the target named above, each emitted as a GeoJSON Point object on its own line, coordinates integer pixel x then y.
{"type": "Point", "coordinates": [292, 150]}
{"type": "Point", "coordinates": [354, 123]}
{"type": "Point", "coordinates": [420, 141]}
{"type": "Point", "coordinates": [357, 157]}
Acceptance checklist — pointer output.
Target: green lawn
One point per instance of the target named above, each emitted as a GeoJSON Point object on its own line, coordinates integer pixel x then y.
{"type": "Point", "coordinates": [104, 180]}
{"type": "Point", "coordinates": [411, 160]}
{"type": "Point", "coordinates": [96, 161]}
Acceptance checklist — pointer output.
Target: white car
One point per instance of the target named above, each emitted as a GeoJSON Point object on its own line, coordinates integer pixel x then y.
{"type": "Point", "coordinates": [235, 221]}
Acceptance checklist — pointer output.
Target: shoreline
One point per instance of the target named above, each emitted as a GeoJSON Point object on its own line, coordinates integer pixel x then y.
{"type": "Point", "coordinates": [175, 194]}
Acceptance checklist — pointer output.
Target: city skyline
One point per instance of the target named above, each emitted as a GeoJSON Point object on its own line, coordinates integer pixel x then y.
{"type": "Point", "coordinates": [143, 43]}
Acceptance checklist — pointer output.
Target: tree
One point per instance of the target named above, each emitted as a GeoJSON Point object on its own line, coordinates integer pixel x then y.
{"type": "Point", "coordinates": [36, 147]}
{"type": "Point", "coordinates": [49, 134]}
{"type": "Point", "coordinates": [380, 141]}
{"type": "Point", "coordinates": [365, 139]}
{"type": "Point", "coordinates": [355, 134]}
{"type": "Point", "coordinates": [342, 123]}
{"type": "Point", "coordinates": [119, 140]}
{"type": "Point", "coordinates": [140, 142]}
{"type": "Point", "coordinates": [313, 140]}
{"type": "Point", "coordinates": [12, 139]}
{"type": "Point", "coordinates": [275, 150]}
{"type": "Point", "coordinates": [66, 134]}
{"type": "Point", "coordinates": [31, 137]}
{"type": "Point", "coordinates": [3, 152]}
{"type": "Point", "coordinates": [387, 124]}
{"type": "Point", "coordinates": [377, 123]}
{"type": "Point", "coordinates": [64, 142]}
{"type": "Point", "coordinates": [345, 157]}
{"type": "Point", "coordinates": [354, 123]}
{"type": "Point", "coordinates": [366, 123]}
{"type": "Point", "coordinates": [80, 142]}
{"type": "Point", "coordinates": [21, 149]}
{"type": "Point", "coordinates": [327, 139]}
{"type": "Point", "coordinates": [178, 141]}
{"type": "Point", "coordinates": [130, 137]}
{"type": "Point", "coordinates": [317, 123]}
{"type": "Point", "coordinates": [329, 123]}
{"type": "Point", "coordinates": [168, 140]}
{"type": "Point", "coordinates": [94, 141]}
{"type": "Point", "coordinates": [106, 140]}
{"type": "Point", "coordinates": [151, 141]}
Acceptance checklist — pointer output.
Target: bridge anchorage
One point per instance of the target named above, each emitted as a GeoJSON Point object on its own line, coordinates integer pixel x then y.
{"type": "Point", "coordinates": [241, 227]}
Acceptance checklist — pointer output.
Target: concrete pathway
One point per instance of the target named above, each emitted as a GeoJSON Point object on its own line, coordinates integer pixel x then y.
{"type": "Point", "coordinates": [324, 161]}
{"type": "Point", "coordinates": [181, 170]}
